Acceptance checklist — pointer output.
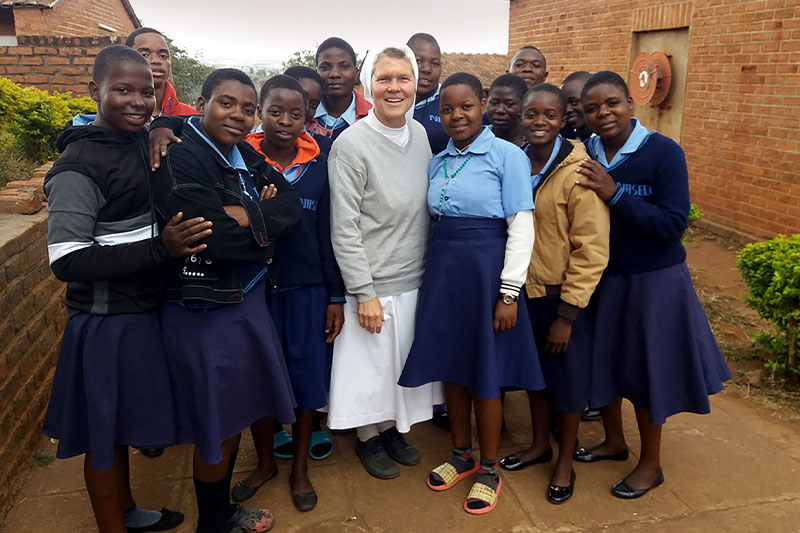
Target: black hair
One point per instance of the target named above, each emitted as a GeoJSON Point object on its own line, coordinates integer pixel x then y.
{"type": "Point", "coordinates": [138, 31]}
{"type": "Point", "coordinates": [529, 47]}
{"type": "Point", "coordinates": [335, 42]}
{"type": "Point", "coordinates": [300, 72]}
{"type": "Point", "coordinates": [464, 78]}
{"type": "Point", "coordinates": [282, 81]}
{"type": "Point", "coordinates": [220, 75]}
{"type": "Point", "coordinates": [111, 55]}
{"type": "Point", "coordinates": [580, 75]}
{"type": "Point", "coordinates": [548, 88]}
{"type": "Point", "coordinates": [512, 81]}
{"type": "Point", "coordinates": [605, 77]}
{"type": "Point", "coordinates": [425, 37]}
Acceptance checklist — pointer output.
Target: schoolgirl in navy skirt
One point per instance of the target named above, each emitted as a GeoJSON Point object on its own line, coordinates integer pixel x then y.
{"type": "Point", "coordinates": [223, 351]}
{"type": "Point", "coordinates": [470, 332]}
{"type": "Point", "coordinates": [646, 313]}
{"type": "Point", "coordinates": [569, 255]}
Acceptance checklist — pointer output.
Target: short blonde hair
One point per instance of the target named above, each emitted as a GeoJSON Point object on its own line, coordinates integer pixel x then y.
{"type": "Point", "coordinates": [392, 52]}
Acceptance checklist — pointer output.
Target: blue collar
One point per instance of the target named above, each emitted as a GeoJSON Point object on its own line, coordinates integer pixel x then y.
{"type": "Point", "coordinates": [234, 157]}
{"type": "Point", "coordinates": [348, 116]}
{"type": "Point", "coordinates": [481, 145]}
{"type": "Point", "coordinates": [553, 154]}
{"type": "Point", "coordinates": [635, 140]}
{"type": "Point", "coordinates": [429, 98]}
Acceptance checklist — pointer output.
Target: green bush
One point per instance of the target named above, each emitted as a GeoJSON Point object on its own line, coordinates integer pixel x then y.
{"type": "Point", "coordinates": [694, 215]}
{"type": "Point", "coordinates": [34, 118]}
{"type": "Point", "coordinates": [771, 271]}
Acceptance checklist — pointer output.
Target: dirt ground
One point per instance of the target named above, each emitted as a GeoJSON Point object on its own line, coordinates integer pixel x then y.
{"type": "Point", "coordinates": [736, 469]}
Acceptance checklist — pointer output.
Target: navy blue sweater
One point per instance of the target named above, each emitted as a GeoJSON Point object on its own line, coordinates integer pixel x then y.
{"type": "Point", "coordinates": [304, 255]}
{"type": "Point", "coordinates": [650, 211]}
{"type": "Point", "coordinates": [428, 116]}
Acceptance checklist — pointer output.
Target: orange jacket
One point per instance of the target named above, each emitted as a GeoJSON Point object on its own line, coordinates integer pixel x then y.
{"type": "Point", "coordinates": [307, 149]}
{"type": "Point", "coordinates": [170, 104]}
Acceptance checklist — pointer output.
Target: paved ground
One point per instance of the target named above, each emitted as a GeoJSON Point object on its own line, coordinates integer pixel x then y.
{"type": "Point", "coordinates": [737, 469]}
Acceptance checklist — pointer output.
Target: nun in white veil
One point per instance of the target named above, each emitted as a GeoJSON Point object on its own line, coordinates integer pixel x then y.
{"type": "Point", "coordinates": [380, 225]}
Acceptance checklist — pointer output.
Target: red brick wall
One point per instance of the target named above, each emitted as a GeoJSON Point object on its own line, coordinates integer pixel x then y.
{"type": "Point", "coordinates": [74, 17]}
{"type": "Point", "coordinates": [742, 109]}
{"type": "Point", "coordinates": [52, 63]}
{"type": "Point", "coordinates": [32, 319]}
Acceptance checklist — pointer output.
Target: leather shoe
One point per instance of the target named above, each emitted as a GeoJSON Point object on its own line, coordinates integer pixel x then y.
{"type": "Point", "coordinates": [584, 455]}
{"type": "Point", "coordinates": [556, 494]}
{"type": "Point", "coordinates": [398, 449]}
{"type": "Point", "coordinates": [241, 492]}
{"type": "Point", "coordinates": [512, 462]}
{"type": "Point", "coordinates": [622, 490]}
{"type": "Point", "coordinates": [305, 502]}
{"type": "Point", "coordinates": [375, 459]}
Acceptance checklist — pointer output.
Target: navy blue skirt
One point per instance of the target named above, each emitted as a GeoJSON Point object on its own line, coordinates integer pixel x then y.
{"type": "Point", "coordinates": [227, 371]}
{"type": "Point", "coordinates": [656, 334]}
{"type": "Point", "coordinates": [454, 338]}
{"type": "Point", "coordinates": [299, 317]}
{"type": "Point", "coordinates": [570, 387]}
{"type": "Point", "coordinates": [111, 387]}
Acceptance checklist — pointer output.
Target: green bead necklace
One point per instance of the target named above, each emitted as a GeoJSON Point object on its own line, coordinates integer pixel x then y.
{"type": "Point", "coordinates": [448, 179]}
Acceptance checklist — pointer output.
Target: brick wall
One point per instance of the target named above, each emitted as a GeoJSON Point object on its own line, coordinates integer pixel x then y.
{"type": "Point", "coordinates": [742, 108]}
{"type": "Point", "coordinates": [75, 17]}
{"type": "Point", "coordinates": [52, 63]}
{"type": "Point", "coordinates": [32, 319]}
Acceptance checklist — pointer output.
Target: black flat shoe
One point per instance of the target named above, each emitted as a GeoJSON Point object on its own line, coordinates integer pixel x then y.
{"type": "Point", "coordinates": [169, 520]}
{"type": "Point", "coordinates": [305, 502]}
{"type": "Point", "coordinates": [441, 421]}
{"type": "Point", "coordinates": [241, 492]}
{"type": "Point", "coordinates": [584, 455]}
{"type": "Point", "coordinates": [622, 490]}
{"type": "Point", "coordinates": [556, 494]}
{"type": "Point", "coordinates": [590, 415]}
{"type": "Point", "coordinates": [512, 462]}
{"type": "Point", "coordinates": [152, 453]}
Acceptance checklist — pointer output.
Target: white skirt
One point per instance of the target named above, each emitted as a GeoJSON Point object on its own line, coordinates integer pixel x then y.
{"type": "Point", "coordinates": [366, 367]}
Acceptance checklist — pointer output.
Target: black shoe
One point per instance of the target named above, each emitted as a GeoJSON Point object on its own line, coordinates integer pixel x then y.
{"type": "Point", "coordinates": [152, 453]}
{"type": "Point", "coordinates": [583, 455]}
{"type": "Point", "coordinates": [441, 421]}
{"type": "Point", "coordinates": [169, 519]}
{"type": "Point", "coordinates": [556, 494]}
{"type": "Point", "coordinates": [512, 462]}
{"type": "Point", "coordinates": [622, 490]}
{"type": "Point", "coordinates": [398, 449]}
{"type": "Point", "coordinates": [590, 415]}
{"type": "Point", "coordinates": [376, 460]}
{"type": "Point", "coordinates": [305, 502]}
{"type": "Point", "coordinates": [241, 492]}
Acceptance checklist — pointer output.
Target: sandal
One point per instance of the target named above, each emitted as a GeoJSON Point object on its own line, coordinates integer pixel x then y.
{"type": "Point", "coordinates": [484, 493]}
{"type": "Point", "coordinates": [450, 475]}
{"type": "Point", "coordinates": [283, 441]}
{"type": "Point", "coordinates": [323, 444]}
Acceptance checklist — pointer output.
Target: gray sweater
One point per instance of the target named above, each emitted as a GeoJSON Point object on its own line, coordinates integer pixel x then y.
{"type": "Point", "coordinates": [380, 223]}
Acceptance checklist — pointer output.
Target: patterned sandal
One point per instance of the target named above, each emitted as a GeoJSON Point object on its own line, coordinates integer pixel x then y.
{"type": "Point", "coordinates": [485, 494]}
{"type": "Point", "coordinates": [245, 520]}
{"type": "Point", "coordinates": [450, 475]}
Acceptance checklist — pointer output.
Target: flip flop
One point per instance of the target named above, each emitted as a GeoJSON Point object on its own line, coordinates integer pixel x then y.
{"type": "Point", "coordinates": [450, 475]}
{"type": "Point", "coordinates": [484, 493]}
{"type": "Point", "coordinates": [320, 438]}
{"type": "Point", "coordinates": [281, 439]}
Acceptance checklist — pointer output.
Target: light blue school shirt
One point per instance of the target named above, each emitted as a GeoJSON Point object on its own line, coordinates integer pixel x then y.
{"type": "Point", "coordinates": [537, 179]}
{"type": "Point", "coordinates": [635, 140]}
{"type": "Point", "coordinates": [234, 159]}
{"type": "Point", "coordinates": [331, 123]}
{"type": "Point", "coordinates": [495, 183]}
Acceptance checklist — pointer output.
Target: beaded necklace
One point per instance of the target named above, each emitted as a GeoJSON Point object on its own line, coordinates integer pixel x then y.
{"type": "Point", "coordinates": [448, 179]}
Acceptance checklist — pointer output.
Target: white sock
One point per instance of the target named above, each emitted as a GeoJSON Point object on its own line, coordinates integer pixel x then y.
{"type": "Point", "coordinates": [383, 426]}
{"type": "Point", "coordinates": [367, 432]}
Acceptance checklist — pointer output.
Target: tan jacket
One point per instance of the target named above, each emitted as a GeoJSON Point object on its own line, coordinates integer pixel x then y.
{"type": "Point", "coordinates": [570, 251]}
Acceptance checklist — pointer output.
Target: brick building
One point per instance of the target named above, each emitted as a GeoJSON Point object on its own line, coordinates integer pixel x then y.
{"type": "Point", "coordinates": [734, 105]}
{"type": "Point", "coordinates": [51, 44]}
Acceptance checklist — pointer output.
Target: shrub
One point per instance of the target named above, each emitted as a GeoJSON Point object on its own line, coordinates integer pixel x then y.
{"type": "Point", "coordinates": [694, 215]}
{"type": "Point", "coordinates": [771, 271]}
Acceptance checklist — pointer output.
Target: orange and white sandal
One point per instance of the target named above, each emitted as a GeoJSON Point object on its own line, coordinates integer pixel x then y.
{"type": "Point", "coordinates": [484, 493]}
{"type": "Point", "coordinates": [450, 475]}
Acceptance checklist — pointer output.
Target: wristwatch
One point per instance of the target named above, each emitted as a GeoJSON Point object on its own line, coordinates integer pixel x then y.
{"type": "Point", "coordinates": [508, 299]}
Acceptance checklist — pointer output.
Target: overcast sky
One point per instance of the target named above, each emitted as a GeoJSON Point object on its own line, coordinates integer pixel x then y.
{"type": "Point", "coordinates": [267, 31]}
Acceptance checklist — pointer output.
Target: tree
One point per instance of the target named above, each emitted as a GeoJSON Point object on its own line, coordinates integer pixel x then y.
{"type": "Point", "coordinates": [305, 58]}
{"type": "Point", "coordinates": [188, 73]}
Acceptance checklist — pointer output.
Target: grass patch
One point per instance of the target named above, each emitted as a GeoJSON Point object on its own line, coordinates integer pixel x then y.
{"type": "Point", "coordinates": [43, 458]}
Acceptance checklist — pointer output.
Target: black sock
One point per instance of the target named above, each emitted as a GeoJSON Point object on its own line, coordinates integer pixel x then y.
{"type": "Point", "coordinates": [212, 505]}
{"type": "Point", "coordinates": [317, 424]}
{"type": "Point", "coordinates": [231, 508]}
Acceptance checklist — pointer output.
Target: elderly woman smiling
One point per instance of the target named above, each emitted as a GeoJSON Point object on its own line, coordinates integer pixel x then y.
{"type": "Point", "coordinates": [380, 229]}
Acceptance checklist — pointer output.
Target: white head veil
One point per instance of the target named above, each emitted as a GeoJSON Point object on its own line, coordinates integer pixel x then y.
{"type": "Point", "coordinates": [368, 68]}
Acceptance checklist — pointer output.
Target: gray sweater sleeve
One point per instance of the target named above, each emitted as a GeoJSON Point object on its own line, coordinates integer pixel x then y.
{"type": "Point", "coordinates": [347, 186]}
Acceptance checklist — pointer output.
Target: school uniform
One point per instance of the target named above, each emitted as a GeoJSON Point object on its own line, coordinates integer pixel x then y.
{"type": "Point", "coordinates": [328, 126]}
{"type": "Point", "coordinates": [223, 351]}
{"type": "Point", "coordinates": [569, 254]}
{"type": "Point", "coordinates": [111, 385]}
{"type": "Point", "coordinates": [426, 112]}
{"type": "Point", "coordinates": [454, 338]}
{"type": "Point", "coordinates": [647, 314]}
{"type": "Point", "coordinates": [304, 276]}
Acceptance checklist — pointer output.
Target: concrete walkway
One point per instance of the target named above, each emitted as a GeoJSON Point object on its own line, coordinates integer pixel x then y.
{"type": "Point", "coordinates": [735, 470]}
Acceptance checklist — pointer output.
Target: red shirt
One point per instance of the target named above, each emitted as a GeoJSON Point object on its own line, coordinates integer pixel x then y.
{"type": "Point", "coordinates": [170, 104]}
